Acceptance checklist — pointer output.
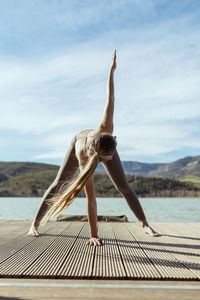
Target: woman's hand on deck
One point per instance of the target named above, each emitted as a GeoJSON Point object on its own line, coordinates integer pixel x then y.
{"type": "Point", "coordinates": [93, 241]}
{"type": "Point", "coordinates": [114, 64]}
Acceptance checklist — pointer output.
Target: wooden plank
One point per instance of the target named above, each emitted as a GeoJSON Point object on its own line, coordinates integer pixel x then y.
{"type": "Point", "coordinates": [136, 262]}
{"type": "Point", "coordinates": [191, 228]}
{"type": "Point", "coordinates": [107, 262]}
{"type": "Point", "coordinates": [78, 264]}
{"type": "Point", "coordinates": [61, 251]}
{"type": "Point", "coordinates": [12, 231]}
{"type": "Point", "coordinates": [14, 245]}
{"type": "Point", "coordinates": [165, 263]}
{"type": "Point", "coordinates": [20, 260]}
{"type": "Point", "coordinates": [55, 256]}
{"type": "Point", "coordinates": [12, 226]}
{"type": "Point", "coordinates": [183, 243]}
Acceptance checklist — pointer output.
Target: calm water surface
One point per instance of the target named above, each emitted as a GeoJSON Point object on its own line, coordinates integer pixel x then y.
{"type": "Point", "coordinates": [156, 209]}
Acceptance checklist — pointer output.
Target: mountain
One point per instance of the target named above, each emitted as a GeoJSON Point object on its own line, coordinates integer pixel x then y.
{"type": "Point", "coordinates": [17, 168]}
{"type": "Point", "coordinates": [180, 169]}
{"type": "Point", "coordinates": [185, 169]}
{"type": "Point", "coordinates": [134, 167]}
{"type": "Point", "coordinates": [23, 179]}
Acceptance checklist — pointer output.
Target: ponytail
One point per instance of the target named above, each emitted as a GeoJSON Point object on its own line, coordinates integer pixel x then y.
{"type": "Point", "coordinates": [62, 201]}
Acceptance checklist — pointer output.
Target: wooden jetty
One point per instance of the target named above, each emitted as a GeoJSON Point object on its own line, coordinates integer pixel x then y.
{"type": "Point", "coordinates": [129, 254]}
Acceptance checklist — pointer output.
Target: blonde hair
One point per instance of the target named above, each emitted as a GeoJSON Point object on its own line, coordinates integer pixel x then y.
{"type": "Point", "coordinates": [62, 201]}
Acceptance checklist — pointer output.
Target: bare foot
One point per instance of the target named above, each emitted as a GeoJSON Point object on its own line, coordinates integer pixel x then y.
{"type": "Point", "coordinates": [150, 231]}
{"type": "Point", "coordinates": [33, 231]}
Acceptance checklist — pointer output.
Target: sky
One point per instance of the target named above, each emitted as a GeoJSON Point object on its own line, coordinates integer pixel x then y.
{"type": "Point", "coordinates": [54, 61]}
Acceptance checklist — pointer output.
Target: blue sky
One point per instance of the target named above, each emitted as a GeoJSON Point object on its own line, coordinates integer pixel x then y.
{"type": "Point", "coordinates": [54, 61]}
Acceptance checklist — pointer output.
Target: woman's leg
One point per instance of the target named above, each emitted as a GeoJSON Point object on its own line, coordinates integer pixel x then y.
{"type": "Point", "coordinates": [116, 173]}
{"type": "Point", "coordinates": [66, 172]}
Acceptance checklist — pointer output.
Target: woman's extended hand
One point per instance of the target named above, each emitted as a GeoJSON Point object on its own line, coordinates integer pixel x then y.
{"type": "Point", "coordinates": [114, 65]}
{"type": "Point", "coordinates": [93, 241]}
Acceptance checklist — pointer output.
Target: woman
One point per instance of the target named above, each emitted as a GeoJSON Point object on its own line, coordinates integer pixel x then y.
{"type": "Point", "coordinates": [87, 149]}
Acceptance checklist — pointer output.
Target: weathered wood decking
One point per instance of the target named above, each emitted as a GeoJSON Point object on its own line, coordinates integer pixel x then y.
{"type": "Point", "coordinates": [128, 253]}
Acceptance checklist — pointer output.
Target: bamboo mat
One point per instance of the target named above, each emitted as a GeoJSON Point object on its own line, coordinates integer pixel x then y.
{"type": "Point", "coordinates": [128, 253]}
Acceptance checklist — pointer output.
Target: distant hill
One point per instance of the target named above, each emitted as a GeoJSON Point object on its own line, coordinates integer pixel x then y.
{"type": "Point", "coordinates": [18, 179]}
{"type": "Point", "coordinates": [186, 169]}
{"type": "Point", "coordinates": [17, 168]}
{"type": "Point", "coordinates": [25, 178]}
{"type": "Point", "coordinates": [134, 167]}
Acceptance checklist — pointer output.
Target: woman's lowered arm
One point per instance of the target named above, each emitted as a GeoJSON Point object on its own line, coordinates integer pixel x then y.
{"type": "Point", "coordinates": [91, 206]}
{"type": "Point", "coordinates": [92, 213]}
{"type": "Point", "coordinates": [106, 124]}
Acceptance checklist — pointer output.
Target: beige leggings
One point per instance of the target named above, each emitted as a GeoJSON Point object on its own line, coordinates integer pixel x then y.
{"type": "Point", "coordinates": [115, 171]}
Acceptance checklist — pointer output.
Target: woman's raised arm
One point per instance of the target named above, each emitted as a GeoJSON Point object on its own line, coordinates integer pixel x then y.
{"type": "Point", "coordinates": [106, 124]}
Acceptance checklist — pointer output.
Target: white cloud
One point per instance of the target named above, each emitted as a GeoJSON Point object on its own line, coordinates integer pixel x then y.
{"type": "Point", "coordinates": [157, 88]}
{"type": "Point", "coordinates": [85, 13]}
{"type": "Point", "coordinates": [50, 155]}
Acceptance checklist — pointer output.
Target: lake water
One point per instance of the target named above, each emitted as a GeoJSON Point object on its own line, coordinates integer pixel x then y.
{"type": "Point", "coordinates": [156, 209]}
